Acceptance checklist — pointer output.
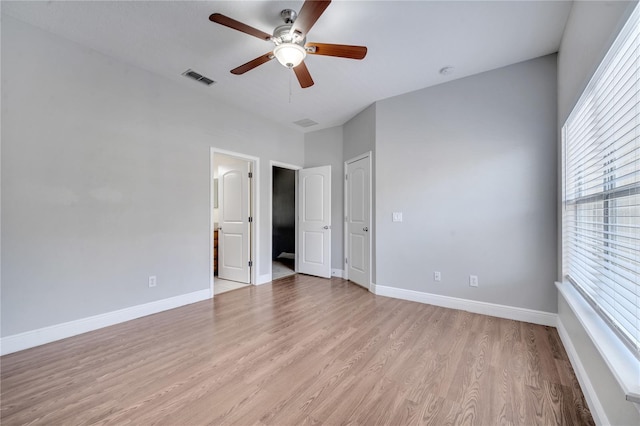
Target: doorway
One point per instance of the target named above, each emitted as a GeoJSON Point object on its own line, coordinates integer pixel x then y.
{"type": "Point", "coordinates": [283, 222]}
{"type": "Point", "coordinates": [232, 221]}
{"type": "Point", "coordinates": [311, 201]}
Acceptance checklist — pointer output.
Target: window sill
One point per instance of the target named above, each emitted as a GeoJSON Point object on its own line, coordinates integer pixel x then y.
{"type": "Point", "coordinates": [622, 363]}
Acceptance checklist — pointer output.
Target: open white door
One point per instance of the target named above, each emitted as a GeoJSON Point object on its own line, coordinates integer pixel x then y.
{"type": "Point", "coordinates": [234, 228]}
{"type": "Point", "coordinates": [314, 221]}
{"type": "Point", "coordinates": [358, 206]}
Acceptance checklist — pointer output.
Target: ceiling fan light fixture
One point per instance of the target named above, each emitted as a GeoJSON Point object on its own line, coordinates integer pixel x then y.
{"type": "Point", "coordinates": [289, 54]}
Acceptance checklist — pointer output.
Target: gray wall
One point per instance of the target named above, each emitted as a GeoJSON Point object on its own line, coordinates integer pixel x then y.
{"type": "Point", "coordinates": [471, 164]}
{"type": "Point", "coordinates": [590, 30]}
{"type": "Point", "coordinates": [324, 148]}
{"type": "Point", "coordinates": [360, 133]}
{"type": "Point", "coordinates": [105, 180]}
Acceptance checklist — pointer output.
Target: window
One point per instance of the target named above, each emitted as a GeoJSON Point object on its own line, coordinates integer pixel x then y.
{"type": "Point", "coordinates": [601, 188]}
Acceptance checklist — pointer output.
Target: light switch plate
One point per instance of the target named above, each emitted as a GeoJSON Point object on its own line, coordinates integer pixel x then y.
{"type": "Point", "coordinates": [397, 216]}
{"type": "Point", "coordinates": [473, 280]}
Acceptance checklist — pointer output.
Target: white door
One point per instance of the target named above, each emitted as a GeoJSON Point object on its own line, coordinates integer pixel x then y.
{"type": "Point", "coordinates": [358, 196]}
{"type": "Point", "coordinates": [234, 226]}
{"type": "Point", "coordinates": [314, 221]}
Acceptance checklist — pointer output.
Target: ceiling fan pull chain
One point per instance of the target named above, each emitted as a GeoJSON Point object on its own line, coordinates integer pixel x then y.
{"type": "Point", "coordinates": [290, 87]}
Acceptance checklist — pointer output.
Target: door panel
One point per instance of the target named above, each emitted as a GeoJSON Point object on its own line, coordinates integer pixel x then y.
{"type": "Point", "coordinates": [232, 187]}
{"type": "Point", "coordinates": [358, 221]}
{"type": "Point", "coordinates": [313, 205]}
{"type": "Point", "coordinates": [233, 250]}
{"type": "Point", "coordinates": [357, 190]}
{"type": "Point", "coordinates": [314, 222]}
{"type": "Point", "coordinates": [356, 252]}
{"type": "Point", "coordinates": [234, 229]}
{"type": "Point", "coordinates": [314, 248]}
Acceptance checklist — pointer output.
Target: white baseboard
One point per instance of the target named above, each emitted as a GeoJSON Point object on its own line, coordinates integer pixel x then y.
{"type": "Point", "coordinates": [263, 279]}
{"type": "Point", "coordinates": [485, 308]}
{"type": "Point", "coordinates": [597, 411]}
{"type": "Point", "coordinates": [30, 339]}
{"type": "Point", "coordinates": [337, 273]}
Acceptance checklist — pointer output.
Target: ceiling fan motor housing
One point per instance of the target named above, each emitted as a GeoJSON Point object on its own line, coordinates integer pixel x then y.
{"type": "Point", "coordinates": [282, 34]}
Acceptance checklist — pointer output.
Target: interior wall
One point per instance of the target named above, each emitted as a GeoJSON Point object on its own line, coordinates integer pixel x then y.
{"type": "Point", "coordinates": [591, 29]}
{"type": "Point", "coordinates": [360, 133]}
{"type": "Point", "coordinates": [471, 164]}
{"type": "Point", "coordinates": [324, 148]}
{"type": "Point", "coordinates": [284, 211]}
{"type": "Point", "coordinates": [105, 180]}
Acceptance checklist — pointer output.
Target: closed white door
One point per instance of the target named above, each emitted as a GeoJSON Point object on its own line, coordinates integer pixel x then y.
{"type": "Point", "coordinates": [234, 228]}
{"type": "Point", "coordinates": [358, 196]}
{"type": "Point", "coordinates": [314, 221]}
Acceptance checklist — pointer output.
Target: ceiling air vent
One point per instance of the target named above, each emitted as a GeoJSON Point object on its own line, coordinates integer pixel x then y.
{"type": "Point", "coordinates": [305, 122]}
{"type": "Point", "coordinates": [198, 77]}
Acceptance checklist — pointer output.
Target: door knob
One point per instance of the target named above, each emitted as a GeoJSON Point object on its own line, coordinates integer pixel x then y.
{"type": "Point", "coordinates": [220, 228]}
{"type": "Point", "coordinates": [325, 227]}
{"type": "Point", "coordinates": [365, 229]}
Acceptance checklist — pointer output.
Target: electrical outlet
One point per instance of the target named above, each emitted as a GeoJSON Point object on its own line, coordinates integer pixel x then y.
{"type": "Point", "coordinates": [397, 216]}
{"type": "Point", "coordinates": [437, 276]}
{"type": "Point", "coordinates": [473, 280]}
{"type": "Point", "coordinates": [152, 281]}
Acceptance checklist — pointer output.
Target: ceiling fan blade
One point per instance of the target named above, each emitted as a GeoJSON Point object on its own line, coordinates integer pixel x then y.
{"type": "Point", "coordinates": [309, 14]}
{"type": "Point", "coordinates": [304, 78]}
{"type": "Point", "coordinates": [339, 50]}
{"type": "Point", "coordinates": [252, 64]}
{"type": "Point", "coordinates": [239, 26]}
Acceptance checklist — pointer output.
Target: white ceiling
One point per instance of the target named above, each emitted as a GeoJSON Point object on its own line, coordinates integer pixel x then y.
{"type": "Point", "coordinates": [408, 42]}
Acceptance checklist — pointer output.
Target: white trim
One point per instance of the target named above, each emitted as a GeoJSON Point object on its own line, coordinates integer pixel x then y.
{"type": "Point", "coordinates": [338, 273]}
{"type": "Point", "coordinates": [273, 163]}
{"type": "Point", "coordinates": [212, 152]}
{"type": "Point", "coordinates": [264, 279]}
{"type": "Point", "coordinates": [345, 234]}
{"type": "Point", "coordinates": [597, 411]}
{"type": "Point", "coordinates": [624, 366]}
{"type": "Point", "coordinates": [255, 211]}
{"type": "Point", "coordinates": [359, 157]}
{"type": "Point", "coordinates": [485, 308]}
{"type": "Point", "coordinates": [30, 339]}
{"type": "Point", "coordinates": [284, 165]}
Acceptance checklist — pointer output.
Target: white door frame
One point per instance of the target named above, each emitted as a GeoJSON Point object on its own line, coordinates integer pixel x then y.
{"type": "Point", "coordinates": [255, 212]}
{"type": "Point", "coordinates": [284, 166]}
{"type": "Point", "coordinates": [345, 235]}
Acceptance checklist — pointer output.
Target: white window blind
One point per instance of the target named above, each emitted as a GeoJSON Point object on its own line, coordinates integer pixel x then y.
{"type": "Point", "coordinates": [601, 188]}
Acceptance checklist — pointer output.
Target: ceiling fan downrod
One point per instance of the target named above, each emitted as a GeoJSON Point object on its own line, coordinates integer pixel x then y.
{"type": "Point", "coordinates": [289, 16]}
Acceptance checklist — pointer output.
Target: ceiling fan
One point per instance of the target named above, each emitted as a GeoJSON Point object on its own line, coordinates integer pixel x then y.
{"type": "Point", "coordinates": [290, 41]}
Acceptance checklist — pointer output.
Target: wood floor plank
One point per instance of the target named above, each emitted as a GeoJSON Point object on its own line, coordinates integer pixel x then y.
{"type": "Point", "coordinates": [303, 351]}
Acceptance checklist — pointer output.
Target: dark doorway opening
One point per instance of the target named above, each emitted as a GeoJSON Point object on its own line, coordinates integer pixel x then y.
{"type": "Point", "coordinates": [283, 222]}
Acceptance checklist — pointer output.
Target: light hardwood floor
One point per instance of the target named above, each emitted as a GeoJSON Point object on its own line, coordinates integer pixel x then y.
{"type": "Point", "coordinates": [300, 351]}
{"type": "Point", "coordinates": [222, 286]}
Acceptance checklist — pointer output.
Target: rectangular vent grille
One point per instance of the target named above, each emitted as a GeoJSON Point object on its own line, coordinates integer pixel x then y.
{"type": "Point", "coordinates": [305, 122]}
{"type": "Point", "coordinates": [198, 77]}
